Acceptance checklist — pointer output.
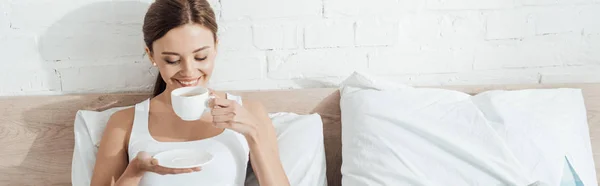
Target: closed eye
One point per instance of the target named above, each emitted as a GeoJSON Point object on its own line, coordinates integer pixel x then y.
{"type": "Point", "coordinates": [171, 62]}
{"type": "Point", "coordinates": [201, 59]}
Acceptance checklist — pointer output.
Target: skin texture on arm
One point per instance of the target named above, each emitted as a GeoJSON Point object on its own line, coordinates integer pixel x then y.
{"type": "Point", "coordinates": [111, 159]}
{"type": "Point", "coordinates": [264, 152]}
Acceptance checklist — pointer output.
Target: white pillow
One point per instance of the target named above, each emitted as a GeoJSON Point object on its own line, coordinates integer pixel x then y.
{"type": "Point", "coordinates": [88, 128]}
{"type": "Point", "coordinates": [399, 134]}
{"type": "Point", "coordinates": [301, 148]}
{"type": "Point", "coordinates": [300, 140]}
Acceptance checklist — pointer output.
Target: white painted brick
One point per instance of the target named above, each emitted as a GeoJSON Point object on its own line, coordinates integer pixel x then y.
{"type": "Point", "coordinates": [21, 12]}
{"type": "Point", "coordinates": [552, 2]}
{"type": "Point", "coordinates": [554, 20]}
{"type": "Point", "coordinates": [276, 36]}
{"type": "Point", "coordinates": [21, 81]}
{"type": "Point", "coordinates": [107, 78]}
{"type": "Point", "coordinates": [488, 77]}
{"type": "Point", "coordinates": [509, 24]}
{"type": "Point", "coordinates": [495, 77]}
{"type": "Point", "coordinates": [315, 63]}
{"type": "Point", "coordinates": [497, 56]}
{"type": "Point", "coordinates": [469, 4]}
{"type": "Point", "coordinates": [129, 12]}
{"type": "Point", "coordinates": [246, 85]}
{"type": "Point", "coordinates": [265, 9]}
{"type": "Point", "coordinates": [236, 37]}
{"type": "Point", "coordinates": [411, 6]}
{"type": "Point", "coordinates": [539, 51]}
{"type": "Point", "coordinates": [236, 66]}
{"type": "Point", "coordinates": [91, 41]}
{"type": "Point", "coordinates": [511, 42]}
{"type": "Point", "coordinates": [270, 84]}
{"type": "Point", "coordinates": [390, 61]}
{"type": "Point", "coordinates": [343, 8]}
{"type": "Point", "coordinates": [328, 34]}
{"type": "Point", "coordinates": [376, 32]}
{"type": "Point", "coordinates": [460, 26]}
{"type": "Point", "coordinates": [463, 25]}
{"type": "Point", "coordinates": [116, 60]}
{"type": "Point", "coordinates": [580, 74]}
{"type": "Point", "coordinates": [20, 51]}
{"type": "Point", "coordinates": [581, 51]}
{"type": "Point", "coordinates": [4, 17]}
{"type": "Point", "coordinates": [419, 27]}
{"type": "Point", "coordinates": [590, 16]}
{"type": "Point", "coordinates": [36, 16]}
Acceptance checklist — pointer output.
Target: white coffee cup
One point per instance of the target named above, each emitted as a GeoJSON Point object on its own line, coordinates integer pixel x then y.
{"type": "Point", "coordinates": [190, 103]}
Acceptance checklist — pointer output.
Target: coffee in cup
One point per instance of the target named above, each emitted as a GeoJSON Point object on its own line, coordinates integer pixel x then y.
{"type": "Point", "coordinates": [190, 103]}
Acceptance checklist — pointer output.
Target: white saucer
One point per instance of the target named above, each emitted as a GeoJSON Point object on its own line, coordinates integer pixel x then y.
{"type": "Point", "coordinates": [183, 158]}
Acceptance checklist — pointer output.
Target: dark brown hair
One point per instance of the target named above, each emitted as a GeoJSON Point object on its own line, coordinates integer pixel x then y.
{"type": "Point", "coordinates": [164, 15]}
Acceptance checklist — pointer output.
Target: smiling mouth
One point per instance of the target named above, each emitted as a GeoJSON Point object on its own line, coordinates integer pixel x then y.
{"type": "Point", "coordinates": [188, 83]}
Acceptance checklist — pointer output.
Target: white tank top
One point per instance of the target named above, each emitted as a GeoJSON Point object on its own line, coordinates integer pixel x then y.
{"type": "Point", "coordinates": [230, 150]}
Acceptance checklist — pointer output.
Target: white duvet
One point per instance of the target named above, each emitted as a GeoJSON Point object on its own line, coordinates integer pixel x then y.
{"type": "Point", "coordinates": [399, 135]}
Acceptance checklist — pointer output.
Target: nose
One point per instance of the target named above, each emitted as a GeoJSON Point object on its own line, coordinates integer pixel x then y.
{"type": "Point", "coordinates": [187, 68]}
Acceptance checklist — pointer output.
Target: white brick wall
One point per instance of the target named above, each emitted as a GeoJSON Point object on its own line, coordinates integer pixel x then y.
{"type": "Point", "coordinates": [74, 46]}
{"type": "Point", "coordinates": [329, 34]}
{"type": "Point", "coordinates": [360, 8]}
{"type": "Point", "coordinates": [276, 36]}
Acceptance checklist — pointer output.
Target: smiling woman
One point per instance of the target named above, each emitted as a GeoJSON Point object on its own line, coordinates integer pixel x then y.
{"type": "Point", "coordinates": [180, 38]}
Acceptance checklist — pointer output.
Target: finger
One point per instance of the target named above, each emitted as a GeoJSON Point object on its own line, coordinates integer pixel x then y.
{"type": "Point", "coordinates": [153, 162]}
{"type": "Point", "coordinates": [142, 155]}
{"type": "Point", "coordinates": [212, 92]}
{"type": "Point", "coordinates": [179, 171]}
{"type": "Point", "coordinates": [220, 102]}
{"type": "Point", "coordinates": [227, 124]}
{"type": "Point", "coordinates": [222, 111]}
{"type": "Point", "coordinates": [164, 170]}
{"type": "Point", "coordinates": [149, 164]}
{"type": "Point", "coordinates": [160, 170]}
{"type": "Point", "coordinates": [144, 160]}
{"type": "Point", "coordinates": [222, 118]}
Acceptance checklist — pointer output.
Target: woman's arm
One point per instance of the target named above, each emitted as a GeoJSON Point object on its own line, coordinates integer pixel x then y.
{"type": "Point", "coordinates": [264, 152]}
{"type": "Point", "coordinates": [112, 160]}
{"type": "Point", "coordinates": [112, 164]}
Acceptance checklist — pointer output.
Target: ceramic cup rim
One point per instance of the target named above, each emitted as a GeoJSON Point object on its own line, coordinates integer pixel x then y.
{"type": "Point", "coordinates": [182, 90]}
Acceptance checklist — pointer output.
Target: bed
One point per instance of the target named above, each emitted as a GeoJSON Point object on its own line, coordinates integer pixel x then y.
{"type": "Point", "coordinates": [36, 132]}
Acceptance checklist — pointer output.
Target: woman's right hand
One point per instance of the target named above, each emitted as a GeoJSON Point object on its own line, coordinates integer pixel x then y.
{"type": "Point", "coordinates": [143, 162]}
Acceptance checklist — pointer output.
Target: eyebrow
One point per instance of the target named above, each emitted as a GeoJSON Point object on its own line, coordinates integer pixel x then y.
{"type": "Point", "coordinates": [197, 50]}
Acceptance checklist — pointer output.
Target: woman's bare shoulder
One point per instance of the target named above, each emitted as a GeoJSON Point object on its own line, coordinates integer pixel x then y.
{"type": "Point", "coordinates": [122, 119]}
{"type": "Point", "coordinates": [123, 115]}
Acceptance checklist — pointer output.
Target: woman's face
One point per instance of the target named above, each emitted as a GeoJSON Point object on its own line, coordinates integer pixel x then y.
{"type": "Point", "coordinates": [185, 56]}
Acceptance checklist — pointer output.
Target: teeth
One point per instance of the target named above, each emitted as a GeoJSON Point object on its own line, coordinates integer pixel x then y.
{"type": "Point", "coordinates": [188, 82]}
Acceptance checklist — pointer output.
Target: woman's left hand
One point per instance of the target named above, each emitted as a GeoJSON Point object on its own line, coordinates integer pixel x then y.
{"type": "Point", "coordinates": [231, 115]}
